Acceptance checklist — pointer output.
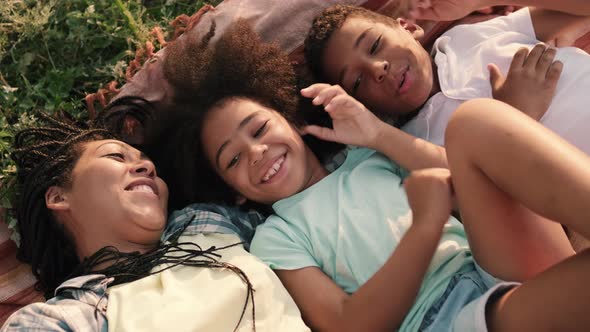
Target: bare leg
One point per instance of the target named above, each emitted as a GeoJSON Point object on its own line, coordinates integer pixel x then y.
{"type": "Point", "coordinates": [508, 158]}
{"type": "Point", "coordinates": [555, 300]}
{"type": "Point", "coordinates": [500, 158]}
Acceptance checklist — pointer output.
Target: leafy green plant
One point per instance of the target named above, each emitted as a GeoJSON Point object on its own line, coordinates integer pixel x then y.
{"type": "Point", "coordinates": [54, 52]}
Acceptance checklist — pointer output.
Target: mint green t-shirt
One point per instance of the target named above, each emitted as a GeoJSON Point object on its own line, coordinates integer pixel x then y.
{"type": "Point", "coordinates": [349, 223]}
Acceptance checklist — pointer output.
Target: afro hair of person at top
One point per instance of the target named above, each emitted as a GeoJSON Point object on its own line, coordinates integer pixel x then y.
{"type": "Point", "coordinates": [238, 65]}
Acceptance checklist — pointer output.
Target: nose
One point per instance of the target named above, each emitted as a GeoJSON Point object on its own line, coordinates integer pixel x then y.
{"type": "Point", "coordinates": [379, 70]}
{"type": "Point", "coordinates": [145, 166]}
{"type": "Point", "coordinates": [256, 153]}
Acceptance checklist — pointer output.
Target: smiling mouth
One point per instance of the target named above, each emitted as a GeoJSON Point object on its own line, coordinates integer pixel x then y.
{"type": "Point", "coordinates": [273, 169]}
{"type": "Point", "coordinates": [143, 186]}
{"type": "Point", "coordinates": [405, 82]}
{"type": "Point", "coordinates": [401, 83]}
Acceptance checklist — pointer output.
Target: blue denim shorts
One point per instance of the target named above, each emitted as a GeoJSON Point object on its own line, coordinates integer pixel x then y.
{"type": "Point", "coordinates": [462, 305]}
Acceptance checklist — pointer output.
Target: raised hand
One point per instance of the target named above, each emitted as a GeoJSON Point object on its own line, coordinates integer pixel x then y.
{"type": "Point", "coordinates": [352, 122]}
{"type": "Point", "coordinates": [430, 195]}
{"type": "Point", "coordinates": [531, 80]}
{"type": "Point", "coordinates": [445, 10]}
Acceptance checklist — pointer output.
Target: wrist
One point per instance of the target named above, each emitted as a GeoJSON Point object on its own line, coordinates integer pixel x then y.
{"type": "Point", "coordinates": [379, 135]}
{"type": "Point", "coordinates": [428, 225]}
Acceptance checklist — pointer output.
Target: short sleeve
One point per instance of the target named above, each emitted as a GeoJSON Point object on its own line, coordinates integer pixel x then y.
{"type": "Point", "coordinates": [517, 22]}
{"type": "Point", "coordinates": [212, 218]}
{"type": "Point", "coordinates": [68, 315]}
{"type": "Point", "coordinates": [281, 247]}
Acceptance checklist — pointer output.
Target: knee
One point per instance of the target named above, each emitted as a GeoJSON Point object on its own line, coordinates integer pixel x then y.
{"type": "Point", "coordinates": [472, 119]}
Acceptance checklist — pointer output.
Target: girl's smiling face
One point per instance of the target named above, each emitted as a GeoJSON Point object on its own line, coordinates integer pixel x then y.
{"type": "Point", "coordinates": [257, 152]}
{"type": "Point", "coordinates": [381, 65]}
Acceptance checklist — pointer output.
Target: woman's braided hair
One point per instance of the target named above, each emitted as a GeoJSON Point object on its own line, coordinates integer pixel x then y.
{"type": "Point", "coordinates": [45, 156]}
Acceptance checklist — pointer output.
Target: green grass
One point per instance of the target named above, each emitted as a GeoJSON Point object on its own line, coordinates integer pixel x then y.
{"type": "Point", "coordinates": [54, 52]}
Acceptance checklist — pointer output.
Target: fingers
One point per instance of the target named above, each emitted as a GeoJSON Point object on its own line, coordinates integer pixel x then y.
{"type": "Point", "coordinates": [546, 60]}
{"type": "Point", "coordinates": [340, 102]}
{"type": "Point", "coordinates": [534, 55]}
{"type": "Point", "coordinates": [496, 77]}
{"type": "Point", "coordinates": [554, 72]}
{"type": "Point", "coordinates": [486, 11]}
{"type": "Point", "coordinates": [508, 10]}
{"type": "Point", "coordinates": [322, 93]}
{"type": "Point", "coordinates": [539, 62]}
{"type": "Point", "coordinates": [423, 4]}
{"type": "Point", "coordinates": [326, 95]}
{"type": "Point", "coordinates": [313, 90]}
{"type": "Point", "coordinates": [322, 133]}
{"type": "Point", "coordinates": [518, 59]}
{"type": "Point", "coordinates": [414, 8]}
{"type": "Point", "coordinates": [426, 14]}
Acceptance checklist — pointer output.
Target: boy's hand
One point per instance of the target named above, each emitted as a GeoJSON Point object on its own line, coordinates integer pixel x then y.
{"type": "Point", "coordinates": [531, 80]}
{"type": "Point", "coordinates": [430, 195]}
{"type": "Point", "coordinates": [352, 122]}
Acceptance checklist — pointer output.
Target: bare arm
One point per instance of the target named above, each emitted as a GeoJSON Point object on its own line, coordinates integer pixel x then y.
{"type": "Point", "coordinates": [446, 10]}
{"type": "Point", "coordinates": [551, 25]}
{"type": "Point", "coordinates": [354, 124]}
{"type": "Point", "coordinates": [410, 152]}
{"type": "Point", "coordinates": [576, 7]}
{"type": "Point", "coordinates": [381, 304]}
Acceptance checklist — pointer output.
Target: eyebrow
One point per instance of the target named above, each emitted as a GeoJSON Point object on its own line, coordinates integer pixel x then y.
{"type": "Point", "coordinates": [355, 46]}
{"type": "Point", "coordinates": [142, 155]}
{"type": "Point", "coordinates": [241, 125]}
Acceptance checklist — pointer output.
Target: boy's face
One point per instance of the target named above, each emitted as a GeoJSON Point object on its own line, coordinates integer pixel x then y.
{"type": "Point", "coordinates": [381, 65]}
{"type": "Point", "coordinates": [257, 152]}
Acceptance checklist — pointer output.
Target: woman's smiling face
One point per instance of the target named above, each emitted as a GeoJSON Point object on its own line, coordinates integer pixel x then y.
{"type": "Point", "coordinates": [257, 152]}
{"type": "Point", "coordinates": [381, 65]}
{"type": "Point", "coordinates": [115, 194]}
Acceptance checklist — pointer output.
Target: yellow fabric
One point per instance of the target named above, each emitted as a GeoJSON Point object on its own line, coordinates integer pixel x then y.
{"type": "Point", "coordinates": [204, 299]}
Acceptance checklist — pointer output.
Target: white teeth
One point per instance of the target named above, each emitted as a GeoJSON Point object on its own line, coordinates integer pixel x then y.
{"type": "Point", "coordinates": [274, 169]}
{"type": "Point", "coordinates": [142, 188]}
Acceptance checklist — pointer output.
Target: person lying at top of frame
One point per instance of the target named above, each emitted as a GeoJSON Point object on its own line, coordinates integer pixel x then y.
{"type": "Point", "coordinates": [377, 60]}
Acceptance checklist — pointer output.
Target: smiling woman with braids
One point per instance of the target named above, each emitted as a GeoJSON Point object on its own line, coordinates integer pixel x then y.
{"type": "Point", "coordinates": [91, 214]}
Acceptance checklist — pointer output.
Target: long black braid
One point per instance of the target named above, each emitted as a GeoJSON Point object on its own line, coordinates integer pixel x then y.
{"type": "Point", "coordinates": [128, 267]}
{"type": "Point", "coordinates": [45, 156]}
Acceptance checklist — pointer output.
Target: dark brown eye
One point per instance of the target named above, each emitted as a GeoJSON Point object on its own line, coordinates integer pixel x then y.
{"type": "Point", "coordinates": [375, 45]}
{"type": "Point", "coordinates": [261, 130]}
{"type": "Point", "coordinates": [356, 85]}
{"type": "Point", "coordinates": [116, 156]}
{"type": "Point", "coordinates": [233, 161]}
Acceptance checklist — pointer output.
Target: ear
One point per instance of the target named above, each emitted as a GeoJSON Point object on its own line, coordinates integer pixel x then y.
{"type": "Point", "coordinates": [240, 200]}
{"type": "Point", "coordinates": [55, 199]}
{"type": "Point", "coordinates": [414, 29]}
